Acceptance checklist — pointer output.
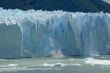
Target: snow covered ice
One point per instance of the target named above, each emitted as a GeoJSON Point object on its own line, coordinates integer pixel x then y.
{"type": "Point", "coordinates": [53, 33]}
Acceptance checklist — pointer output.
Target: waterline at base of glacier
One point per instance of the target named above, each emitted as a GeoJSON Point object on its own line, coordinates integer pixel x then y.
{"type": "Point", "coordinates": [55, 65]}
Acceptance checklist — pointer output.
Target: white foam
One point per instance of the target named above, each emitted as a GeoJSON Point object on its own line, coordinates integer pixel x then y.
{"type": "Point", "coordinates": [8, 65]}
{"type": "Point", "coordinates": [97, 62]}
{"type": "Point", "coordinates": [53, 65]}
{"type": "Point", "coordinates": [13, 65]}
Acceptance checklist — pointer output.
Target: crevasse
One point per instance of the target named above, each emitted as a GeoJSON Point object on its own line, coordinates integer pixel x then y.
{"type": "Point", "coordinates": [53, 34]}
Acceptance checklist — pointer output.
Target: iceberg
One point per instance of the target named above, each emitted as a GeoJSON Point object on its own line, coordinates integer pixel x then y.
{"type": "Point", "coordinates": [53, 34]}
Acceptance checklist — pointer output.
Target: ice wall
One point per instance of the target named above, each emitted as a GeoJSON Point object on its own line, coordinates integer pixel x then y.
{"type": "Point", "coordinates": [56, 33]}
{"type": "Point", "coordinates": [10, 41]}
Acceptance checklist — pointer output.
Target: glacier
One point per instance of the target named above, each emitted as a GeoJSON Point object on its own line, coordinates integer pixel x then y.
{"type": "Point", "coordinates": [53, 34]}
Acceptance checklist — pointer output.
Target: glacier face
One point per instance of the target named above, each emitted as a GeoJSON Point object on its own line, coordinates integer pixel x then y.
{"type": "Point", "coordinates": [56, 33]}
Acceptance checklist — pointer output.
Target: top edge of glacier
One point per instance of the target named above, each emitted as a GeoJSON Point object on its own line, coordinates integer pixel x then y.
{"type": "Point", "coordinates": [56, 11]}
{"type": "Point", "coordinates": [16, 16]}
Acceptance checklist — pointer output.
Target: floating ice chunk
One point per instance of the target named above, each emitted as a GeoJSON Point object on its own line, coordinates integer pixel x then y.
{"type": "Point", "coordinates": [59, 65]}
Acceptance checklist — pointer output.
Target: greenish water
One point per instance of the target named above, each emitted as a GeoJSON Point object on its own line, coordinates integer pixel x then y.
{"type": "Point", "coordinates": [55, 65]}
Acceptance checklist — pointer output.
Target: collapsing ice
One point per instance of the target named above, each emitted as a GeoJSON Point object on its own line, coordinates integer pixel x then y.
{"type": "Point", "coordinates": [44, 34]}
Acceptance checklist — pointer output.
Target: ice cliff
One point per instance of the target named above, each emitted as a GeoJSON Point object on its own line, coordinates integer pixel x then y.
{"type": "Point", "coordinates": [57, 33]}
